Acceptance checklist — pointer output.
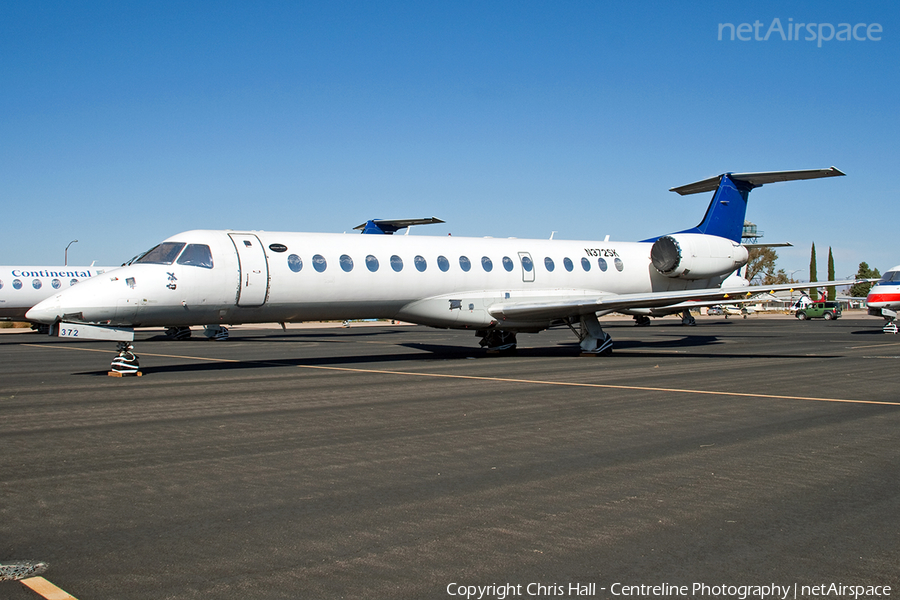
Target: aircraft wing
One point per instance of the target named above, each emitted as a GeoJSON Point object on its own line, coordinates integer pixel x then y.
{"type": "Point", "coordinates": [571, 307]}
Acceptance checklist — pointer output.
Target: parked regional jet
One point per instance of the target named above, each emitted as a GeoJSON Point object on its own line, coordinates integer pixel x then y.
{"type": "Point", "coordinates": [23, 287]}
{"type": "Point", "coordinates": [496, 287]}
{"type": "Point", "coordinates": [884, 299]}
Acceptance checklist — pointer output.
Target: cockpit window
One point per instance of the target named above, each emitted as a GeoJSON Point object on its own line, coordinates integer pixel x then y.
{"type": "Point", "coordinates": [164, 254]}
{"type": "Point", "coordinates": [890, 276]}
{"type": "Point", "coordinates": [196, 255]}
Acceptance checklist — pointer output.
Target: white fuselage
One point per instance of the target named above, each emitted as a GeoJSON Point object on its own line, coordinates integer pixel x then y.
{"type": "Point", "coordinates": [886, 293]}
{"type": "Point", "coordinates": [23, 287]}
{"type": "Point", "coordinates": [282, 277]}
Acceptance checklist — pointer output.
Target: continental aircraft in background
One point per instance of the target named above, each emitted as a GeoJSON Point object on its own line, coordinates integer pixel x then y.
{"type": "Point", "coordinates": [23, 287]}
{"type": "Point", "coordinates": [884, 299]}
{"type": "Point", "coordinates": [498, 288]}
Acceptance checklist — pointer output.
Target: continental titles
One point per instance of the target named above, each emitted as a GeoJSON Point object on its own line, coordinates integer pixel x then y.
{"type": "Point", "coordinates": [42, 273]}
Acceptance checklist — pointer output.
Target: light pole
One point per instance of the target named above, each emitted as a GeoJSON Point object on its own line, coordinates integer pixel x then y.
{"type": "Point", "coordinates": [67, 252]}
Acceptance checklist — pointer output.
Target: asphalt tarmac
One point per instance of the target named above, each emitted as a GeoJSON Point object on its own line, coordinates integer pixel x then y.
{"type": "Point", "coordinates": [403, 462]}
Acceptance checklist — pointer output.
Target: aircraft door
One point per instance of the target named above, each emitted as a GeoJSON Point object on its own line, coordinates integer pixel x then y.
{"type": "Point", "coordinates": [253, 269]}
{"type": "Point", "coordinates": [527, 266]}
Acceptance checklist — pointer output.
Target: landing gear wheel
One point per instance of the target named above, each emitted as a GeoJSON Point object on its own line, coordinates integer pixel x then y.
{"type": "Point", "coordinates": [592, 339]}
{"type": "Point", "coordinates": [498, 340]}
{"type": "Point", "coordinates": [642, 321]}
{"type": "Point", "coordinates": [218, 333]}
{"type": "Point", "coordinates": [178, 333]}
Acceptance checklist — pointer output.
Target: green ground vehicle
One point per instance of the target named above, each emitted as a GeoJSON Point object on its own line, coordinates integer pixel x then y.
{"type": "Point", "coordinates": [824, 310]}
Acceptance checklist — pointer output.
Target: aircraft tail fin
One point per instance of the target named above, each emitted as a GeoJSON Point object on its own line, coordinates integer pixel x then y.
{"type": "Point", "coordinates": [389, 226]}
{"type": "Point", "coordinates": [728, 207]}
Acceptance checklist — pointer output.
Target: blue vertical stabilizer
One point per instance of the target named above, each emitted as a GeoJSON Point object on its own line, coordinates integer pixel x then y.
{"type": "Point", "coordinates": [725, 213]}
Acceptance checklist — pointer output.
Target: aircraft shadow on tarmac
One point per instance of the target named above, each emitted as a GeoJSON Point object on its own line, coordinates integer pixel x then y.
{"type": "Point", "coordinates": [418, 352]}
{"type": "Point", "coordinates": [279, 336]}
{"type": "Point", "coordinates": [870, 332]}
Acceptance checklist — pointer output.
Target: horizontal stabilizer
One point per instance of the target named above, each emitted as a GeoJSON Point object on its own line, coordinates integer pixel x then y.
{"type": "Point", "coordinates": [756, 179]}
{"type": "Point", "coordinates": [389, 226]}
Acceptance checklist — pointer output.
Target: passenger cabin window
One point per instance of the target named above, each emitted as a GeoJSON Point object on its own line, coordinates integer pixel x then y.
{"type": "Point", "coordinates": [36, 284]}
{"type": "Point", "coordinates": [371, 263]}
{"type": "Point", "coordinates": [17, 284]}
{"type": "Point", "coordinates": [73, 281]}
{"type": "Point", "coordinates": [508, 263]}
{"type": "Point", "coordinates": [567, 263]}
{"type": "Point", "coordinates": [346, 263]}
{"type": "Point", "coordinates": [196, 255]}
{"type": "Point", "coordinates": [585, 264]}
{"type": "Point", "coordinates": [1, 284]}
{"type": "Point", "coordinates": [163, 254]}
{"type": "Point", "coordinates": [396, 263]}
{"type": "Point", "coordinates": [443, 263]}
{"type": "Point", "coordinates": [295, 263]}
{"type": "Point", "coordinates": [548, 264]}
{"type": "Point", "coordinates": [464, 263]}
{"type": "Point", "coordinates": [486, 264]}
{"type": "Point", "coordinates": [319, 263]}
{"type": "Point", "coordinates": [420, 263]}
{"type": "Point", "coordinates": [619, 264]}
{"type": "Point", "coordinates": [601, 262]}
{"type": "Point", "coordinates": [56, 283]}
{"type": "Point", "coordinates": [527, 264]}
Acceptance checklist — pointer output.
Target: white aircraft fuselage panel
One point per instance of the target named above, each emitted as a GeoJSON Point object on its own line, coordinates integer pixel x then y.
{"type": "Point", "coordinates": [440, 281]}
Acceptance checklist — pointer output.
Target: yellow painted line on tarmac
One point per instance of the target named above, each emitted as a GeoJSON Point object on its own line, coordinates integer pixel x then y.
{"type": "Point", "coordinates": [509, 380]}
{"type": "Point", "coordinates": [599, 385]}
{"type": "Point", "coordinates": [874, 346]}
{"type": "Point", "coordinates": [47, 589]}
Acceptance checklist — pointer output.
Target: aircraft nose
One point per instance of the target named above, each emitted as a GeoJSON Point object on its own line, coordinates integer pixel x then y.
{"type": "Point", "coordinates": [46, 311]}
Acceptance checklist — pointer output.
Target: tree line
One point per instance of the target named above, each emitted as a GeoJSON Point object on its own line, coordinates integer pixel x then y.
{"type": "Point", "coordinates": [761, 269]}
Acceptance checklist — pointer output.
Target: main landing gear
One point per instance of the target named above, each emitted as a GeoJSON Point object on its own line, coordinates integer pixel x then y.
{"type": "Point", "coordinates": [594, 341]}
{"type": "Point", "coordinates": [218, 333]}
{"type": "Point", "coordinates": [641, 320]}
{"type": "Point", "coordinates": [497, 340]}
{"type": "Point", "coordinates": [687, 318]}
{"type": "Point", "coordinates": [890, 321]}
{"type": "Point", "coordinates": [178, 333]}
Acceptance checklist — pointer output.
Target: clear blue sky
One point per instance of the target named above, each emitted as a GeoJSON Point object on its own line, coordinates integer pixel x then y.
{"type": "Point", "coordinates": [122, 123]}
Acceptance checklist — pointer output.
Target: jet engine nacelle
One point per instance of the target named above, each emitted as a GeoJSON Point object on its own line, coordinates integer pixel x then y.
{"type": "Point", "coordinates": [696, 256]}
